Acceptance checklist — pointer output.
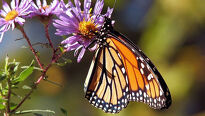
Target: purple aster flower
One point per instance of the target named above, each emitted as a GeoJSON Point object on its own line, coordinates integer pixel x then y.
{"type": "Point", "coordinates": [79, 25]}
{"type": "Point", "coordinates": [43, 9]}
{"type": "Point", "coordinates": [13, 14]}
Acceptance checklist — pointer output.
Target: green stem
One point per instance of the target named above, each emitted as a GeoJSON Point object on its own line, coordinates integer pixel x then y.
{"type": "Point", "coordinates": [9, 95]}
{"type": "Point", "coordinates": [1, 88]}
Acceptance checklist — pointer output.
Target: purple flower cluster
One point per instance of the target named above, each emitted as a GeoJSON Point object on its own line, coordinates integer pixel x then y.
{"type": "Point", "coordinates": [72, 21]}
{"type": "Point", "coordinates": [13, 14]}
{"type": "Point", "coordinates": [45, 9]}
{"type": "Point", "coordinates": [78, 23]}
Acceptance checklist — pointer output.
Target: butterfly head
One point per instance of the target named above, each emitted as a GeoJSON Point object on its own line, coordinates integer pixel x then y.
{"type": "Point", "coordinates": [107, 26]}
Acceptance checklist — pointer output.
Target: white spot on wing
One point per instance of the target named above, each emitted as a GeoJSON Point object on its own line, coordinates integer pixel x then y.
{"type": "Point", "coordinates": [119, 55]}
{"type": "Point", "coordinates": [141, 70]}
{"type": "Point", "coordinates": [145, 94]}
{"type": "Point", "coordinates": [123, 70]}
{"type": "Point", "coordinates": [141, 59]}
{"type": "Point", "coordinates": [137, 94]}
{"type": "Point", "coordinates": [147, 86]}
{"type": "Point", "coordinates": [155, 101]}
{"type": "Point", "coordinates": [127, 89]}
{"type": "Point", "coordinates": [142, 65]}
{"type": "Point", "coordinates": [161, 93]}
{"type": "Point", "coordinates": [141, 98]}
{"type": "Point", "coordinates": [126, 79]}
{"type": "Point", "coordinates": [140, 92]}
{"type": "Point", "coordinates": [149, 76]}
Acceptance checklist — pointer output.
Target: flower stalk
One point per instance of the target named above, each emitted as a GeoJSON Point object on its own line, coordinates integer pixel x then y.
{"type": "Point", "coordinates": [48, 37]}
{"type": "Point", "coordinates": [31, 47]}
{"type": "Point", "coordinates": [9, 95]}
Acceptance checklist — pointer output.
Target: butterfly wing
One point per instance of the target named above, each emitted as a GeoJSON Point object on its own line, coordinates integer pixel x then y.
{"type": "Point", "coordinates": [145, 82]}
{"type": "Point", "coordinates": [106, 85]}
{"type": "Point", "coordinates": [120, 73]}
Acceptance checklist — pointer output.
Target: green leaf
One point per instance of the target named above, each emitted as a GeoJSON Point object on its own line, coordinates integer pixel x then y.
{"type": "Point", "coordinates": [2, 107]}
{"type": "Point", "coordinates": [2, 100]}
{"type": "Point", "coordinates": [12, 67]}
{"type": "Point", "coordinates": [36, 68]}
{"type": "Point", "coordinates": [2, 76]}
{"type": "Point", "coordinates": [64, 111]}
{"type": "Point", "coordinates": [61, 49]}
{"type": "Point", "coordinates": [26, 87]}
{"type": "Point", "coordinates": [12, 106]}
{"type": "Point", "coordinates": [6, 63]}
{"type": "Point", "coordinates": [24, 74]}
{"type": "Point", "coordinates": [32, 111]}
{"type": "Point", "coordinates": [1, 103]}
{"type": "Point", "coordinates": [4, 91]}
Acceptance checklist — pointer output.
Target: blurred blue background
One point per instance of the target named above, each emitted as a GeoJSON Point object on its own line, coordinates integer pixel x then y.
{"type": "Point", "coordinates": [170, 32]}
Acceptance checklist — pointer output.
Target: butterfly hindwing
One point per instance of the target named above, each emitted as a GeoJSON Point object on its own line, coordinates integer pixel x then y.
{"type": "Point", "coordinates": [106, 84]}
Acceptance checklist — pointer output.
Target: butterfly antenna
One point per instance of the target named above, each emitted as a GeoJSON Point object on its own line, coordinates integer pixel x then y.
{"type": "Point", "coordinates": [114, 4]}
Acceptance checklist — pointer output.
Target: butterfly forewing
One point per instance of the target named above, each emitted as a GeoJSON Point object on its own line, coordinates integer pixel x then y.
{"type": "Point", "coordinates": [145, 82]}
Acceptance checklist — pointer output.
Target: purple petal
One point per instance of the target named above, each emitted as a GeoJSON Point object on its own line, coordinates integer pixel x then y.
{"type": "Point", "coordinates": [73, 47]}
{"type": "Point", "coordinates": [63, 23]}
{"type": "Point", "coordinates": [20, 20]}
{"type": "Point", "coordinates": [93, 48]}
{"type": "Point", "coordinates": [77, 9]}
{"type": "Point", "coordinates": [98, 7]}
{"type": "Point", "coordinates": [1, 37]}
{"type": "Point", "coordinates": [6, 6]}
{"type": "Point", "coordinates": [109, 12]}
{"type": "Point", "coordinates": [73, 14]}
{"type": "Point", "coordinates": [17, 2]}
{"type": "Point", "coordinates": [80, 56]}
{"type": "Point", "coordinates": [5, 28]}
{"type": "Point", "coordinates": [44, 3]}
{"type": "Point", "coordinates": [70, 40]}
{"type": "Point", "coordinates": [54, 7]}
{"type": "Point", "coordinates": [87, 4]}
{"type": "Point", "coordinates": [34, 6]}
{"type": "Point", "coordinates": [13, 4]}
{"type": "Point", "coordinates": [25, 10]}
{"type": "Point", "coordinates": [76, 50]}
{"type": "Point", "coordinates": [2, 21]}
{"type": "Point", "coordinates": [68, 19]}
{"type": "Point", "coordinates": [24, 3]}
{"type": "Point", "coordinates": [38, 2]}
{"type": "Point", "coordinates": [3, 13]}
{"type": "Point", "coordinates": [77, 4]}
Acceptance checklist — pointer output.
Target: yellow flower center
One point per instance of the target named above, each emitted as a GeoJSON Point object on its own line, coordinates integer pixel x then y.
{"type": "Point", "coordinates": [11, 15]}
{"type": "Point", "coordinates": [45, 7]}
{"type": "Point", "coordinates": [87, 28]}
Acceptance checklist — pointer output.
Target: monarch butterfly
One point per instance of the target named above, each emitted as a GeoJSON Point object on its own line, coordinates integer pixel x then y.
{"type": "Point", "coordinates": [120, 72]}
